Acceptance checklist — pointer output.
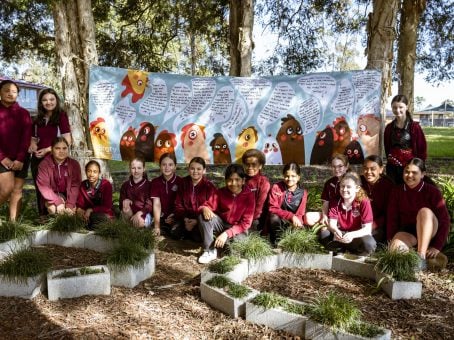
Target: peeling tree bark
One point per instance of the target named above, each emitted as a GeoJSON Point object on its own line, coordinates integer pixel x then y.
{"type": "Point", "coordinates": [241, 22]}
{"type": "Point", "coordinates": [381, 33]}
{"type": "Point", "coordinates": [410, 15]}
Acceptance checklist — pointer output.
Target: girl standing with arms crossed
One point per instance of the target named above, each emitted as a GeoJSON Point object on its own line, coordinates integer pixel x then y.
{"type": "Point", "coordinates": [350, 219]}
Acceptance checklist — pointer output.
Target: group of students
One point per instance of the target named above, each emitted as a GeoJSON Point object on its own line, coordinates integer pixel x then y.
{"type": "Point", "coordinates": [403, 207]}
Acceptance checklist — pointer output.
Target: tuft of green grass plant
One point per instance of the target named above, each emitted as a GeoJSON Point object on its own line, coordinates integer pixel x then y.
{"type": "Point", "coordinates": [234, 289]}
{"type": "Point", "coordinates": [295, 308]}
{"type": "Point", "coordinates": [219, 281]}
{"type": "Point", "coordinates": [336, 311]}
{"type": "Point", "coordinates": [270, 300]}
{"type": "Point", "coordinates": [113, 228]}
{"type": "Point", "coordinates": [446, 185]}
{"type": "Point", "coordinates": [89, 271]}
{"type": "Point", "coordinates": [400, 265]}
{"type": "Point", "coordinates": [144, 237]}
{"type": "Point", "coordinates": [300, 241]}
{"type": "Point", "coordinates": [127, 254]}
{"type": "Point", "coordinates": [365, 330]}
{"type": "Point", "coordinates": [65, 274]}
{"type": "Point", "coordinates": [10, 230]}
{"type": "Point", "coordinates": [225, 265]}
{"type": "Point", "coordinates": [24, 263]}
{"type": "Point", "coordinates": [252, 247]}
{"type": "Point", "coordinates": [66, 223]}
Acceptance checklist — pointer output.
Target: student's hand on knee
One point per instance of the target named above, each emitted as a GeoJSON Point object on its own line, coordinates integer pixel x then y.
{"type": "Point", "coordinates": [220, 240]}
{"type": "Point", "coordinates": [7, 163]}
{"type": "Point", "coordinates": [296, 222]}
{"type": "Point", "coordinates": [17, 166]}
{"type": "Point", "coordinates": [207, 213]}
{"type": "Point", "coordinates": [432, 253]}
{"type": "Point", "coordinates": [169, 219]}
{"type": "Point", "coordinates": [346, 238]}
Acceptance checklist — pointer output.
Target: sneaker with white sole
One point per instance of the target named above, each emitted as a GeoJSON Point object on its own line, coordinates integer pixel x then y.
{"type": "Point", "coordinates": [208, 256]}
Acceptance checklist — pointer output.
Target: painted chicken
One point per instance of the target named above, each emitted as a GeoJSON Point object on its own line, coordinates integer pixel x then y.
{"type": "Point", "coordinates": [354, 152]}
{"type": "Point", "coordinates": [369, 133]}
{"type": "Point", "coordinates": [165, 143]}
{"type": "Point", "coordinates": [323, 146]}
{"type": "Point", "coordinates": [193, 142]}
{"type": "Point", "coordinates": [271, 150]}
{"type": "Point", "coordinates": [247, 139]}
{"type": "Point", "coordinates": [145, 142]}
{"type": "Point", "coordinates": [291, 140]}
{"type": "Point", "coordinates": [135, 83]}
{"type": "Point", "coordinates": [100, 139]}
{"type": "Point", "coordinates": [342, 135]}
{"type": "Point", "coordinates": [220, 148]}
{"type": "Point", "coordinates": [127, 144]}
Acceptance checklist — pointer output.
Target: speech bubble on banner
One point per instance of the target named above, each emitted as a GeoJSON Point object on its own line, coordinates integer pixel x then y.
{"type": "Point", "coordinates": [252, 90]}
{"type": "Point", "coordinates": [277, 105]}
{"type": "Point", "coordinates": [343, 103]}
{"type": "Point", "coordinates": [321, 86]}
{"type": "Point", "coordinates": [237, 118]}
{"type": "Point", "coordinates": [203, 90]}
{"type": "Point", "coordinates": [124, 113]}
{"type": "Point", "coordinates": [310, 114]}
{"type": "Point", "coordinates": [371, 106]}
{"type": "Point", "coordinates": [180, 97]}
{"type": "Point", "coordinates": [365, 83]}
{"type": "Point", "coordinates": [222, 105]}
{"type": "Point", "coordinates": [102, 93]}
{"type": "Point", "coordinates": [156, 102]}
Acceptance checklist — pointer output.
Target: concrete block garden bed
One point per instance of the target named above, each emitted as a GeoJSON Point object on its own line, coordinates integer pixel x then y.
{"type": "Point", "coordinates": [398, 290]}
{"type": "Point", "coordinates": [27, 289]}
{"type": "Point", "coordinates": [305, 261]}
{"type": "Point", "coordinates": [317, 331]}
{"type": "Point", "coordinates": [131, 276]}
{"type": "Point", "coordinates": [353, 265]}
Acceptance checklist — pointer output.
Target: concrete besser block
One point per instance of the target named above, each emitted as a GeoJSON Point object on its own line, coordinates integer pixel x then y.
{"type": "Point", "coordinates": [267, 264]}
{"type": "Point", "coordinates": [317, 331]}
{"type": "Point", "coordinates": [305, 261]}
{"type": "Point", "coordinates": [131, 276]}
{"type": "Point", "coordinates": [39, 237]}
{"type": "Point", "coordinates": [354, 267]}
{"type": "Point", "coordinates": [8, 247]}
{"type": "Point", "coordinates": [276, 318]}
{"type": "Point", "coordinates": [220, 300]}
{"type": "Point", "coordinates": [238, 274]}
{"type": "Point", "coordinates": [26, 290]}
{"type": "Point", "coordinates": [74, 240]}
{"type": "Point", "coordinates": [98, 243]}
{"type": "Point", "coordinates": [398, 290]}
{"type": "Point", "coordinates": [75, 286]}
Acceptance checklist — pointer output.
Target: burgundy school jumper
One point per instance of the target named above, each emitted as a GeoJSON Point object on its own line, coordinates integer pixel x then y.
{"type": "Point", "coordinates": [331, 189]}
{"type": "Point", "coordinates": [260, 186]}
{"type": "Point", "coordinates": [379, 196]}
{"type": "Point", "coordinates": [418, 140]}
{"type": "Point", "coordinates": [404, 205]}
{"type": "Point", "coordinates": [167, 193]}
{"type": "Point", "coordinates": [237, 211]}
{"type": "Point", "coordinates": [15, 132]}
{"type": "Point", "coordinates": [52, 176]}
{"type": "Point", "coordinates": [98, 198]}
{"type": "Point", "coordinates": [190, 198]}
{"type": "Point", "coordinates": [277, 196]}
{"type": "Point", "coordinates": [139, 194]}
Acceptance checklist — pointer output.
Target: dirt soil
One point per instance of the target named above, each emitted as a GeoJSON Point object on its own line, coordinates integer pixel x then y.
{"type": "Point", "coordinates": [168, 305]}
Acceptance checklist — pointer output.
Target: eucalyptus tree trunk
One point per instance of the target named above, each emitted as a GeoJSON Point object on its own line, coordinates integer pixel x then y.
{"type": "Point", "coordinates": [76, 50]}
{"type": "Point", "coordinates": [410, 15]}
{"type": "Point", "coordinates": [241, 22]}
{"type": "Point", "coordinates": [381, 34]}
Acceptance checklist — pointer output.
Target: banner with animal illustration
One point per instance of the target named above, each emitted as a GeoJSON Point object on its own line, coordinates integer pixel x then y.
{"type": "Point", "coordinates": [299, 118]}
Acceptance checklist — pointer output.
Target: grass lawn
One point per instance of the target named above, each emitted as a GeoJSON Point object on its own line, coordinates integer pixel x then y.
{"type": "Point", "coordinates": [440, 142]}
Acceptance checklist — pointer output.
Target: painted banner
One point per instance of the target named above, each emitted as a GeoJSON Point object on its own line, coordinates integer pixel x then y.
{"type": "Point", "coordinates": [304, 118]}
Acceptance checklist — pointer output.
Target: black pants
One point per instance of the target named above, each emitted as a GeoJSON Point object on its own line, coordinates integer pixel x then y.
{"type": "Point", "coordinates": [276, 226]}
{"type": "Point", "coordinates": [361, 245]}
{"type": "Point", "coordinates": [179, 232]}
{"type": "Point", "coordinates": [212, 228]}
{"type": "Point", "coordinates": [34, 164]}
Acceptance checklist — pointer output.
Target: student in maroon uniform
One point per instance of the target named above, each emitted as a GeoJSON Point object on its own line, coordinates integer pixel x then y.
{"type": "Point", "coordinates": [417, 214]}
{"type": "Point", "coordinates": [339, 164]}
{"type": "Point", "coordinates": [94, 203]}
{"type": "Point", "coordinates": [377, 187]}
{"type": "Point", "coordinates": [287, 202]}
{"type": "Point", "coordinates": [163, 193]}
{"type": "Point", "coordinates": [50, 123]}
{"type": "Point", "coordinates": [135, 203]}
{"type": "Point", "coordinates": [15, 134]}
{"type": "Point", "coordinates": [253, 162]}
{"type": "Point", "coordinates": [350, 219]}
{"type": "Point", "coordinates": [59, 179]}
{"type": "Point", "coordinates": [228, 214]}
{"type": "Point", "coordinates": [194, 191]}
{"type": "Point", "coordinates": [403, 140]}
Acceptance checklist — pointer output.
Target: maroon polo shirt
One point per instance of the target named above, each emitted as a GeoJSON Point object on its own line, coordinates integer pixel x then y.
{"type": "Point", "coordinates": [260, 186]}
{"type": "Point", "coordinates": [191, 197]}
{"type": "Point", "coordinates": [15, 132]}
{"type": "Point", "coordinates": [98, 198]}
{"type": "Point", "coordinates": [46, 132]}
{"type": "Point", "coordinates": [139, 194]}
{"type": "Point", "coordinates": [351, 219]}
{"type": "Point", "coordinates": [167, 193]}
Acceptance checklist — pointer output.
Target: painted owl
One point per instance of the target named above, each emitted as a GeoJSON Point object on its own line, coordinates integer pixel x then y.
{"type": "Point", "coordinates": [193, 142]}
{"type": "Point", "coordinates": [247, 139]}
{"type": "Point", "coordinates": [323, 146]}
{"type": "Point", "coordinates": [135, 83]}
{"type": "Point", "coordinates": [127, 144]}
{"type": "Point", "coordinates": [145, 142]}
{"type": "Point", "coordinates": [354, 152]}
{"type": "Point", "coordinates": [165, 143]}
{"type": "Point", "coordinates": [369, 133]}
{"type": "Point", "coordinates": [342, 135]}
{"type": "Point", "coordinates": [271, 150]}
{"type": "Point", "coordinates": [100, 139]}
{"type": "Point", "coordinates": [221, 151]}
{"type": "Point", "coordinates": [291, 140]}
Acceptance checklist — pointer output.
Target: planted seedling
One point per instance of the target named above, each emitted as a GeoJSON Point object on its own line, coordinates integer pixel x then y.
{"type": "Point", "coordinates": [252, 247]}
{"type": "Point", "coordinates": [24, 263]}
{"type": "Point", "coordinates": [127, 254]}
{"type": "Point", "coordinates": [10, 230]}
{"type": "Point", "coordinates": [300, 241]}
{"type": "Point", "coordinates": [66, 223]}
{"type": "Point", "coordinates": [400, 265]}
{"type": "Point", "coordinates": [235, 290]}
{"type": "Point", "coordinates": [225, 265]}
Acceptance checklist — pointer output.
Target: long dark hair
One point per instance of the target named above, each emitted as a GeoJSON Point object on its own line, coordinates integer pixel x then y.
{"type": "Point", "coordinates": [55, 117]}
{"type": "Point", "coordinates": [400, 98]}
{"type": "Point", "coordinates": [422, 167]}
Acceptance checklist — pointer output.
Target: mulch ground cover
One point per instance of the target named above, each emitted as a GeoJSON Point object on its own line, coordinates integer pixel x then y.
{"type": "Point", "coordinates": [168, 305]}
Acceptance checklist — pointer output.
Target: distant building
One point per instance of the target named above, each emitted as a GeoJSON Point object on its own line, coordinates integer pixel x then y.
{"type": "Point", "coordinates": [28, 94]}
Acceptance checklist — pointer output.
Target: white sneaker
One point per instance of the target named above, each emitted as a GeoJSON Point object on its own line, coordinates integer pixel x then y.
{"type": "Point", "coordinates": [208, 256]}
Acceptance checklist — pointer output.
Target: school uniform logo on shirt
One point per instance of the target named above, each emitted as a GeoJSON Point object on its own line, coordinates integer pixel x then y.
{"type": "Point", "coordinates": [355, 212]}
{"type": "Point", "coordinates": [174, 188]}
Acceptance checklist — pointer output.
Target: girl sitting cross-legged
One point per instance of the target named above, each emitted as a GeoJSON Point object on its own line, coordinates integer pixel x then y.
{"type": "Point", "coordinates": [228, 214]}
{"type": "Point", "coordinates": [350, 219]}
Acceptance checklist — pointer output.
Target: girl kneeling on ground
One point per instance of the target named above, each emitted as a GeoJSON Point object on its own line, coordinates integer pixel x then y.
{"type": "Point", "coordinates": [228, 214]}
{"type": "Point", "coordinates": [350, 219]}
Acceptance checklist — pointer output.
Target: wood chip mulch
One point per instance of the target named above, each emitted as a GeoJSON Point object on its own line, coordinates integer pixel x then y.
{"type": "Point", "coordinates": [168, 305]}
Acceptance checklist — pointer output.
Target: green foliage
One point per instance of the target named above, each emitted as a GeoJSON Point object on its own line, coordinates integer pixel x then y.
{"type": "Point", "coordinates": [336, 311]}
{"type": "Point", "coordinates": [127, 254]}
{"type": "Point", "coordinates": [446, 185]}
{"type": "Point", "coordinates": [235, 290]}
{"type": "Point", "coordinates": [252, 247]}
{"type": "Point", "coordinates": [77, 272]}
{"type": "Point", "coordinates": [12, 230]}
{"type": "Point", "coordinates": [270, 300]}
{"type": "Point", "coordinates": [439, 142]}
{"type": "Point", "coordinates": [399, 264]}
{"type": "Point", "coordinates": [364, 329]}
{"type": "Point", "coordinates": [314, 203]}
{"type": "Point", "coordinates": [89, 271]}
{"type": "Point", "coordinates": [300, 241]}
{"type": "Point", "coordinates": [225, 265]}
{"type": "Point", "coordinates": [24, 263]}
{"type": "Point", "coordinates": [66, 223]}
{"type": "Point", "coordinates": [66, 273]}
